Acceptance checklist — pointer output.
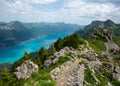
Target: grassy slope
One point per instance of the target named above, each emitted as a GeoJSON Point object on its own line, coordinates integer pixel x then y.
{"type": "Point", "coordinates": [97, 45]}
{"type": "Point", "coordinates": [88, 76]}
{"type": "Point", "coordinates": [117, 40]}
{"type": "Point", "coordinates": [90, 79]}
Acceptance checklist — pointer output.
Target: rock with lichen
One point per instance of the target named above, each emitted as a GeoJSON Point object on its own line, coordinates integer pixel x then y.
{"type": "Point", "coordinates": [25, 70]}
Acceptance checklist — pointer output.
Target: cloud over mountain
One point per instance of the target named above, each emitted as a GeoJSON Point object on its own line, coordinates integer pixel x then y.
{"type": "Point", "coordinates": [71, 11]}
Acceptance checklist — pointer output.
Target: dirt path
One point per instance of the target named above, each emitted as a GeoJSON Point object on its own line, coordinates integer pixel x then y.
{"type": "Point", "coordinates": [69, 74]}
{"type": "Point", "coordinates": [76, 77]}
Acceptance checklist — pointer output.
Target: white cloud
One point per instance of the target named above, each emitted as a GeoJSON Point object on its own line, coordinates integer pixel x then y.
{"type": "Point", "coordinates": [92, 11]}
{"type": "Point", "coordinates": [71, 11]}
{"type": "Point", "coordinates": [42, 1]}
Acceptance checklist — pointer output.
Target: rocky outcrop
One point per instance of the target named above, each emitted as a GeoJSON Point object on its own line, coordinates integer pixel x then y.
{"type": "Point", "coordinates": [90, 55]}
{"type": "Point", "coordinates": [111, 47]}
{"type": "Point", "coordinates": [96, 65]}
{"type": "Point", "coordinates": [25, 70]}
{"type": "Point", "coordinates": [117, 69]}
{"type": "Point", "coordinates": [116, 74]}
{"type": "Point", "coordinates": [71, 73]}
{"type": "Point", "coordinates": [84, 50]}
{"type": "Point", "coordinates": [56, 57]}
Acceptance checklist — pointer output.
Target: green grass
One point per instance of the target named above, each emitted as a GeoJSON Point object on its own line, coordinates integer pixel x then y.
{"type": "Point", "coordinates": [117, 40]}
{"type": "Point", "coordinates": [43, 77]}
{"type": "Point", "coordinates": [90, 79]}
{"type": "Point", "coordinates": [88, 76]}
{"type": "Point", "coordinates": [115, 83]}
{"type": "Point", "coordinates": [97, 45]}
{"type": "Point", "coordinates": [116, 59]}
{"type": "Point", "coordinates": [103, 80]}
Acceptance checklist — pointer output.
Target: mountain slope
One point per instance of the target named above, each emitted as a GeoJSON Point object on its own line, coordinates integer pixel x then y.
{"type": "Point", "coordinates": [100, 28]}
{"type": "Point", "coordinates": [15, 32]}
{"type": "Point", "coordinates": [103, 31]}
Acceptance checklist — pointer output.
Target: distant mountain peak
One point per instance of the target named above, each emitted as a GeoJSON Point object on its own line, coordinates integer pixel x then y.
{"type": "Point", "coordinates": [14, 22]}
{"type": "Point", "coordinates": [100, 30]}
{"type": "Point", "coordinates": [109, 23]}
{"type": "Point", "coordinates": [96, 22]}
{"type": "Point", "coordinates": [1, 23]}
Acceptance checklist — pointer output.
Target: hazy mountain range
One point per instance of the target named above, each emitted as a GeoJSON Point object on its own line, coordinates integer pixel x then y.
{"type": "Point", "coordinates": [15, 32]}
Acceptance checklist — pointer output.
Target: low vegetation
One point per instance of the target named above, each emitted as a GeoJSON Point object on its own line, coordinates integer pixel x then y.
{"type": "Point", "coordinates": [97, 45]}
{"type": "Point", "coordinates": [88, 77]}
{"type": "Point", "coordinates": [117, 40]}
{"type": "Point", "coordinates": [71, 41]}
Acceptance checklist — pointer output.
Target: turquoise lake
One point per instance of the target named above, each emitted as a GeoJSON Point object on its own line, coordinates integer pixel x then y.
{"type": "Point", "coordinates": [16, 52]}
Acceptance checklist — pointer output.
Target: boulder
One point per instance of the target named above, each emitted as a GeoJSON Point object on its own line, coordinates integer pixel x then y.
{"type": "Point", "coordinates": [96, 65]}
{"type": "Point", "coordinates": [116, 76]}
{"type": "Point", "coordinates": [90, 55]}
{"type": "Point", "coordinates": [110, 66]}
{"type": "Point", "coordinates": [25, 70]}
{"type": "Point", "coordinates": [49, 62]}
{"type": "Point", "coordinates": [117, 69]}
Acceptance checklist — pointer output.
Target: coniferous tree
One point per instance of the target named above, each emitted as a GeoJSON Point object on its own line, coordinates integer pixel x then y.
{"type": "Point", "coordinates": [58, 44]}
{"type": "Point", "coordinates": [22, 60]}
{"type": "Point", "coordinates": [41, 57]}
{"type": "Point", "coordinates": [52, 49]}
{"type": "Point", "coordinates": [7, 77]}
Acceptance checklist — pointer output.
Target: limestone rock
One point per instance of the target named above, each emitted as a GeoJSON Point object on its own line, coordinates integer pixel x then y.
{"type": "Point", "coordinates": [117, 69]}
{"type": "Point", "coordinates": [96, 65]}
{"type": "Point", "coordinates": [116, 76]}
{"type": "Point", "coordinates": [90, 55]}
{"type": "Point", "coordinates": [110, 66]}
{"type": "Point", "coordinates": [25, 70]}
{"type": "Point", "coordinates": [56, 57]}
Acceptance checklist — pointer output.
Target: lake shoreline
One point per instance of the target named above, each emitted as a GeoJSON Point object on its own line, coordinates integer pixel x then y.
{"type": "Point", "coordinates": [12, 54]}
{"type": "Point", "coordinates": [23, 42]}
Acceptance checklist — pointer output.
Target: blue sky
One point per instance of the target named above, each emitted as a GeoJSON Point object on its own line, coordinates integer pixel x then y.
{"type": "Point", "coordinates": [68, 11]}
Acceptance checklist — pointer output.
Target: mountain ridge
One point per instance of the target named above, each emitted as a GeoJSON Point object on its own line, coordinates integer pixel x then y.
{"type": "Point", "coordinates": [10, 33]}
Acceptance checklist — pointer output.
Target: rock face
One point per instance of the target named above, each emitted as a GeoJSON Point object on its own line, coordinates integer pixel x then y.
{"type": "Point", "coordinates": [116, 75]}
{"type": "Point", "coordinates": [96, 65]}
{"type": "Point", "coordinates": [90, 55]}
{"type": "Point", "coordinates": [55, 57]}
{"type": "Point", "coordinates": [25, 70]}
{"type": "Point", "coordinates": [117, 69]}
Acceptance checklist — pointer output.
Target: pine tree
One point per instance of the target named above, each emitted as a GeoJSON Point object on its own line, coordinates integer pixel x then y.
{"type": "Point", "coordinates": [6, 76]}
{"type": "Point", "coordinates": [26, 56]}
{"type": "Point", "coordinates": [41, 57]}
{"type": "Point", "coordinates": [52, 49]}
{"type": "Point", "coordinates": [22, 60]}
{"type": "Point", "coordinates": [58, 45]}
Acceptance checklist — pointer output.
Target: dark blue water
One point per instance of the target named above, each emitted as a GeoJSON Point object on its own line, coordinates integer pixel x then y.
{"type": "Point", "coordinates": [15, 53]}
